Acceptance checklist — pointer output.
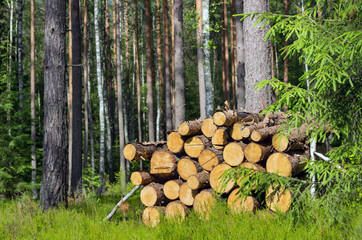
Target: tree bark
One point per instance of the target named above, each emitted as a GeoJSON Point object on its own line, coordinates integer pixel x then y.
{"type": "Point", "coordinates": [8, 117]}
{"type": "Point", "coordinates": [20, 59]}
{"type": "Point", "coordinates": [160, 111]}
{"type": "Point", "coordinates": [225, 51]}
{"type": "Point", "coordinates": [200, 61]}
{"type": "Point", "coordinates": [85, 82]}
{"type": "Point", "coordinates": [139, 115]}
{"type": "Point", "coordinates": [55, 164]}
{"type": "Point", "coordinates": [232, 52]}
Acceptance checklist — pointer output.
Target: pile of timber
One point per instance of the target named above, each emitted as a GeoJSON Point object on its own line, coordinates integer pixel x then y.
{"type": "Point", "coordinates": [185, 170]}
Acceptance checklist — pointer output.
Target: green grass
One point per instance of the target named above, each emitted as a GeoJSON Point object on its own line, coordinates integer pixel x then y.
{"type": "Point", "coordinates": [23, 219]}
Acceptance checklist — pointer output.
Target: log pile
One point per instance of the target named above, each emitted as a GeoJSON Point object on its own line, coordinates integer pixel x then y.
{"type": "Point", "coordinates": [185, 170]}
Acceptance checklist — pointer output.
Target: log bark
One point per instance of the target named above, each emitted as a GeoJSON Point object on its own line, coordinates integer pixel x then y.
{"type": "Point", "coordinates": [286, 165]}
{"type": "Point", "coordinates": [172, 189]}
{"type": "Point", "coordinates": [204, 202]}
{"type": "Point", "coordinates": [187, 167]}
{"type": "Point", "coordinates": [163, 164]}
{"type": "Point", "coordinates": [240, 204]}
{"type": "Point", "coordinates": [235, 131]}
{"type": "Point", "coordinates": [296, 139]}
{"type": "Point", "coordinates": [199, 180]}
{"type": "Point", "coordinates": [151, 216]}
{"type": "Point", "coordinates": [141, 178]}
{"type": "Point", "coordinates": [175, 142]}
{"type": "Point", "coordinates": [176, 210]}
{"type": "Point", "coordinates": [141, 151]}
{"type": "Point", "coordinates": [234, 153]}
{"type": "Point", "coordinates": [259, 135]}
{"type": "Point", "coordinates": [189, 128]}
{"type": "Point", "coordinates": [208, 127]}
{"type": "Point", "coordinates": [225, 118]}
{"type": "Point", "coordinates": [195, 145]}
{"type": "Point", "coordinates": [255, 152]}
{"type": "Point", "coordinates": [152, 195]}
{"type": "Point", "coordinates": [217, 183]}
{"type": "Point", "coordinates": [209, 158]}
{"type": "Point", "coordinates": [220, 138]}
{"type": "Point", "coordinates": [187, 195]}
{"type": "Point", "coordinates": [246, 132]}
{"type": "Point", "coordinates": [278, 200]}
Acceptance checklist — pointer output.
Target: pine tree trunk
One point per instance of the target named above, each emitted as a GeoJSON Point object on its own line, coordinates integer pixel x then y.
{"type": "Point", "coordinates": [160, 112]}
{"type": "Point", "coordinates": [139, 115]}
{"type": "Point", "coordinates": [85, 82]}
{"type": "Point", "coordinates": [200, 61]}
{"type": "Point", "coordinates": [232, 52]}
{"type": "Point", "coordinates": [225, 51]}
{"type": "Point", "coordinates": [20, 59]}
{"type": "Point", "coordinates": [286, 59]}
{"type": "Point", "coordinates": [167, 78]}
{"type": "Point", "coordinates": [179, 64]}
{"type": "Point", "coordinates": [55, 164]}
{"type": "Point", "coordinates": [70, 99]}
{"type": "Point", "coordinates": [173, 64]}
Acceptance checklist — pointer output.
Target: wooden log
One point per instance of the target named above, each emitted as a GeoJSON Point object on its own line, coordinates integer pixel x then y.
{"type": "Point", "coordinates": [239, 204]}
{"type": "Point", "coordinates": [175, 142]}
{"type": "Point", "coordinates": [243, 179]}
{"type": "Point", "coordinates": [255, 152]}
{"type": "Point", "coordinates": [176, 210]}
{"type": "Point", "coordinates": [138, 151]}
{"type": "Point", "coordinates": [234, 153]}
{"type": "Point", "coordinates": [254, 166]}
{"type": "Point", "coordinates": [199, 180]}
{"type": "Point", "coordinates": [261, 134]}
{"type": "Point", "coordinates": [151, 216]}
{"type": "Point", "coordinates": [286, 165]}
{"type": "Point", "coordinates": [194, 145]}
{"type": "Point", "coordinates": [248, 117]}
{"type": "Point", "coordinates": [225, 118]}
{"type": "Point", "coordinates": [163, 164]}
{"type": "Point", "coordinates": [209, 158]}
{"type": "Point", "coordinates": [246, 131]}
{"type": "Point", "coordinates": [172, 189]}
{"type": "Point", "coordinates": [217, 183]}
{"type": "Point", "coordinates": [296, 139]}
{"type": "Point", "coordinates": [208, 127]}
{"type": "Point", "coordinates": [204, 202]}
{"type": "Point", "coordinates": [279, 200]}
{"type": "Point", "coordinates": [220, 138]}
{"type": "Point", "coordinates": [187, 167]}
{"type": "Point", "coordinates": [189, 128]}
{"type": "Point", "coordinates": [235, 131]}
{"type": "Point", "coordinates": [187, 195]}
{"type": "Point", "coordinates": [152, 195]}
{"type": "Point", "coordinates": [141, 178]}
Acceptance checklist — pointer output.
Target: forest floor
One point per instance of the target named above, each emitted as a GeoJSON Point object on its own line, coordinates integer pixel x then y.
{"type": "Point", "coordinates": [23, 219]}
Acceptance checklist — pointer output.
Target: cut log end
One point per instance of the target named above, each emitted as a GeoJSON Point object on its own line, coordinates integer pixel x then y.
{"type": "Point", "coordinates": [199, 180]}
{"type": "Point", "coordinates": [129, 152]}
{"type": "Point", "coordinates": [152, 215]}
{"type": "Point", "coordinates": [235, 131]}
{"type": "Point", "coordinates": [219, 139]}
{"type": "Point", "coordinates": [190, 128]}
{"type": "Point", "coordinates": [286, 165]}
{"type": "Point", "coordinates": [175, 143]}
{"type": "Point", "coordinates": [217, 183]}
{"type": "Point", "coordinates": [152, 195]}
{"type": "Point", "coordinates": [172, 189]}
{"type": "Point", "coordinates": [187, 195]}
{"type": "Point", "coordinates": [256, 152]}
{"type": "Point", "coordinates": [187, 167]}
{"type": "Point", "coordinates": [219, 118]}
{"type": "Point", "coordinates": [163, 164]}
{"type": "Point", "coordinates": [208, 159]}
{"type": "Point", "coordinates": [176, 210]}
{"type": "Point", "coordinates": [280, 142]}
{"type": "Point", "coordinates": [281, 200]}
{"type": "Point", "coordinates": [204, 202]}
{"type": "Point", "coordinates": [233, 154]}
{"type": "Point", "coordinates": [194, 146]}
{"type": "Point", "coordinates": [141, 178]}
{"type": "Point", "coordinates": [208, 127]}
{"type": "Point", "coordinates": [239, 204]}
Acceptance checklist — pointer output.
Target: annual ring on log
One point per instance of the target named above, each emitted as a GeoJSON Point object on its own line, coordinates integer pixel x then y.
{"type": "Point", "coordinates": [151, 216]}
{"type": "Point", "coordinates": [233, 154]}
{"type": "Point", "coordinates": [208, 127]}
{"type": "Point", "coordinates": [216, 181]}
{"type": "Point", "coordinates": [194, 146]}
{"type": "Point", "coordinates": [176, 210]}
{"type": "Point", "coordinates": [208, 159]}
{"type": "Point", "coordinates": [239, 204]}
{"type": "Point", "coordinates": [204, 202]}
{"type": "Point", "coordinates": [175, 143]}
{"type": "Point", "coordinates": [281, 200]}
{"type": "Point", "coordinates": [172, 189]}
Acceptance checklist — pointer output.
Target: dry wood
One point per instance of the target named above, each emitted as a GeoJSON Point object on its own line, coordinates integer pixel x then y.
{"type": "Point", "coordinates": [199, 180]}
{"type": "Point", "coordinates": [194, 145]}
{"type": "Point", "coordinates": [204, 201]}
{"type": "Point", "coordinates": [190, 127]}
{"type": "Point", "coordinates": [172, 189]}
{"type": "Point", "coordinates": [138, 151]}
{"type": "Point", "coordinates": [187, 167]}
{"type": "Point", "coordinates": [187, 195]}
{"type": "Point", "coordinates": [255, 152]}
{"type": "Point", "coordinates": [239, 204]}
{"type": "Point", "coordinates": [286, 165]}
{"type": "Point", "coordinates": [246, 132]}
{"type": "Point", "coordinates": [225, 118]}
{"type": "Point", "coordinates": [216, 182]}
{"type": "Point", "coordinates": [163, 164]}
{"type": "Point", "coordinates": [234, 153]}
{"type": "Point", "coordinates": [261, 134]}
{"type": "Point", "coordinates": [151, 216]}
{"type": "Point", "coordinates": [176, 210]}
{"type": "Point", "coordinates": [248, 117]}
{"type": "Point", "coordinates": [280, 201]}
{"type": "Point", "coordinates": [243, 179]}
{"type": "Point", "coordinates": [175, 142]}
{"type": "Point", "coordinates": [220, 137]}
{"type": "Point", "coordinates": [152, 195]}
{"type": "Point", "coordinates": [141, 178]}
{"type": "Point", "coordinates": [208, 127]}
{"type": "Point", "coordinates": [209, 158]}
{"type": "Point", "coordinates": [296, 139]}
{"type": "Point", "coordinates": [235, 131]}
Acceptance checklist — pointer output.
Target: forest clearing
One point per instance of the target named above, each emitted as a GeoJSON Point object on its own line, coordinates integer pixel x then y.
{"type": "Point", "coordinates": [180, 119]}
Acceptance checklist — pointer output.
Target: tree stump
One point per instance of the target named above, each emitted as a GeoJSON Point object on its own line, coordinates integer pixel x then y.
{"type": "Point", "coordinates": [209, 158]}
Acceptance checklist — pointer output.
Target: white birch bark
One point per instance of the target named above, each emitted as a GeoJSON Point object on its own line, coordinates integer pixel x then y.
{"type": "Point", "coordinates": [200, 61]}
{"type": "Point", "coordinates": [10, 60]}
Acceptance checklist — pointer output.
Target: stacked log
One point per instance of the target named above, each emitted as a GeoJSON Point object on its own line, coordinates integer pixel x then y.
{"type": "Point", "coordinates": [186, 171]}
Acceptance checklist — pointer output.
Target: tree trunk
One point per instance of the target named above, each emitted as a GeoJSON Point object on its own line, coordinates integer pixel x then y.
{"type": "Point", "coordinates": [160, 110]}
{"type": "Point", "coordinates": [257, 58]}
{"type": "Point", "coordinates": [55, 164]}
{"type": "Point", "coordinates": [85, 82]}
{"type": "Point", "coordinates": [179, 64]}
{"type": "Point", "coordinates": [167, 78]}
{"type": "Point", "coordinates": [232, 52]}
{"type": "Point", "coordinates": [70, 98]}
{"type": "Point", "coordinates": [32, 101]}
{"type": "Point", "coordinates": [10, 61]}
{"type": "Point", "coordinates": [240, 56]}
{"type": "Point", "coordinates": [200, 61]}
{"type": "Point", "coordinates": [20, 59]}
{"type": "Point", "coordinates": [286, 59]}
{"type": "Point", "coordinates": [139, 115]}
{"type": "Point", "coordinates": [173, 66]}
{"type": "Point", "coordinates": [225, 51]}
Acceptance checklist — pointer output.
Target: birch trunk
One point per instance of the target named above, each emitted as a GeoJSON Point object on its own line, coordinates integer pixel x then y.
{"type": "Point", "coordinates": [10, 60]}
{"type": "Point", "coordinates": [20, 59]}
{"type": "Point", "coordinates": [200, 61]}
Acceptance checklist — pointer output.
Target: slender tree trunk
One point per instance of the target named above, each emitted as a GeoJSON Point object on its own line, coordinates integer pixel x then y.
{"type": "Point", "coordinates": [173, 64]}
{"type": "Point", "coordinates": [225, 51]}
{"type": "Point", "coordinates": [167, 79]}
{"type": "Point", "coordinates": [70, 99]}
{"type": "Point", "coordinates": [32, 100]}
{"type": "Point", "coordinates": [20, 59]}
{"type": "Point", "coordinates": [85, 82]}
{"type": "Point", "coordinates": [200, 61]}
{"type": "Point", "coordinates": [179, 64]}
{"type": "Point", "coordinates": [272, 61]}
{"type": "Point", "coordinates": [55, 164]}
{"type": "Point", "coordinates": [240, 56]}
{"type": "Point", "coordinates": [120, 97]}
{"type": "Point", "coordinates": [139, 114]}
{"type": "Point", "coordinates": [148, 19]}
{"type": "Point", "coordinates": [286, 59]}
{"type": "Point", "coordinates": [209, 91]}
{"type": "Point", "coordinates": [91, 131]}
{"type": "Point", "coordinates": [10, 61]}
{"type": "Point", "coordinates": [160, 111]}
{"type": "Point", "coordinates": [232, 52]}
{"type": "Point", "coordinates": [257, 58]}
